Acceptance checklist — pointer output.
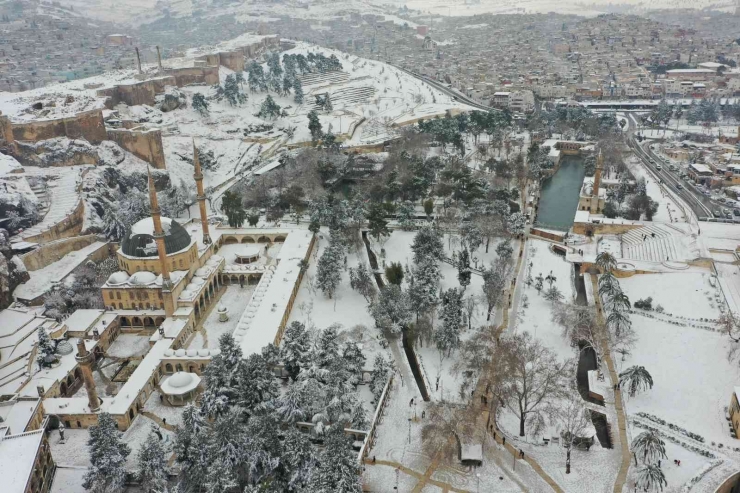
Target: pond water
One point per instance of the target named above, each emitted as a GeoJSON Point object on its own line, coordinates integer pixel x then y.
{"type": "Point", "coordinates": [559, 198]}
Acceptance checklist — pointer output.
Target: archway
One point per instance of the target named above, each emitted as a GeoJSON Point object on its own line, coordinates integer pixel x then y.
{"type": "Point", "coordinates": [63, 389]}
{"type": "Point", "coordinates": [230, 240]}
{"type": "Point", "coordinates": [148, 321]}
{"type": "Point", "coordinates": [136, 322]}
{"type": "Point", "coordinates": [159, 321]}
{"type": "Point", "coordinates": [263, 239]}
{"type": "Point", "coordinates": [248, 239]}
{"type": "Point", "coordinates": [125, 322]}
{"type": "Point", "coordinates": [168, 368]}
{"type": "Point", "coordinates": [279, 239]}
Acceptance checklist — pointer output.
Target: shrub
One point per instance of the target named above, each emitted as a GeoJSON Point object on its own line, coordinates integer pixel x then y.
{"type": "Point", "coordinates": [646, 304]}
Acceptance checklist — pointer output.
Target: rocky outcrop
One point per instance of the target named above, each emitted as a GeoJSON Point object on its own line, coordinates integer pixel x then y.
{"type": "Point", "coordinates": [12, 271]}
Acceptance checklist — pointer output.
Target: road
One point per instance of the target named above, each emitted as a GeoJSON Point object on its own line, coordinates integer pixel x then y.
{"type": "Point", "coordinates": [701, 205]}
{"type": "Point", "coordinates": [450, 92]}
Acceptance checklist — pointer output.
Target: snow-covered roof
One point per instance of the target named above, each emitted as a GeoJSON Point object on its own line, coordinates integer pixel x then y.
{"type": "Point", "coordinates": [139, 378]}
{"type": "Point", "coordinates": [180, 383]}
{"type": "Point", "coordinates": [82, 320]}
{"type": "Point", "coordinates": [471, 451]}
{"type": "Point", "coordinates": [171, 327]}
{"type": "Point", "coordinates": [260, 321]}
{"type": "Point", "coordinates": [700, 168]}
{"type": "Point", "coordinates": [18, 458]}
{"type": "Point", "coordinates": [17, 413]}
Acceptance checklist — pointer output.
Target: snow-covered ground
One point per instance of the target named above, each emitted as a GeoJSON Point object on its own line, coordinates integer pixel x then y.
{"type": "Point", "coordinates": [129, 346]}
{"type": "Point", "coordinates": [536, 318]}
{"type": "Point", "coordinates": [348, 308]}
{"type": "Point", "coordinates": [693, 379]}
{"type": "Point", "coordinates": [235, 299]}
{"type": "Point", "coordinates": [442, 382]}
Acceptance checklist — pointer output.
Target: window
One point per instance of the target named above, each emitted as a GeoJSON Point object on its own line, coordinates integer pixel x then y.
{"type": "Point", "coordinates": [118, 295]}
{"type": "Point", "coordinates": [182, 264]}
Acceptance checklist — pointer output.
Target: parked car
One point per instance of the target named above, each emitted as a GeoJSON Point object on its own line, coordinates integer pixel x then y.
{"type": "Point", "coordinates": [679, 186]}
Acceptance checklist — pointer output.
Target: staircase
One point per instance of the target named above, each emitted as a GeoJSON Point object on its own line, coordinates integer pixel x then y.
{"type": "Point", "coordinates": [651, 243]}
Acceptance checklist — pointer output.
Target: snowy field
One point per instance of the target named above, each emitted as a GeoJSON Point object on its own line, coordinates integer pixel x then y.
{"type": "Point", "coordinates": [693, 380]}
{"type": "Point", "coordinates": [536, 318]}
{"type": "Point", "coordinates": [348, 308]}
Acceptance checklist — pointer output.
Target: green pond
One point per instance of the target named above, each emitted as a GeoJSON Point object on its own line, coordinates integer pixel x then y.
{"type": "Point", "coordinates": [559, 197]}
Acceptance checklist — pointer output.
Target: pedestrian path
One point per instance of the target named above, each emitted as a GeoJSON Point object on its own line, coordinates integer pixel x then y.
{"type": "Point", "coordinates": [624, 465]}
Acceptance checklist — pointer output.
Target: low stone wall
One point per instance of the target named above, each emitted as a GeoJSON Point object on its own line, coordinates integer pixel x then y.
{"type": "Point", "coordinates": [51, 252]}
{"type": "Point", "coordinates": [87, 125]}
{"type": "Point", "coordinates": [546, 234]}
{"type": "Point", "coordinates": [69, 226]}
{"type": "Point", "coordinates": [144, 144]}
{"type": "Point", "coordinates": [601, 228]}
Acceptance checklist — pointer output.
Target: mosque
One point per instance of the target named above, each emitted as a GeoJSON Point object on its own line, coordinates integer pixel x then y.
{"type": "Point", "coordinates": [170, 277]}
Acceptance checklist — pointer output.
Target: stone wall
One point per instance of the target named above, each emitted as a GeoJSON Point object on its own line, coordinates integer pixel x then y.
{"type": "Point", "coordinates": [51, 252]}
{"type": "Point", "coordinates": [195, 75]}
{"type": "Point", "coordinates": [69, 226]}
{"type": "Point", "coordinates": [87, 125]}
{"type": "Point", "coordinates": [138, 93]}
{"type": "Point", "coordinates": [546, 234]}
{"type": "Point", "coordinates": [7, 141]}
{"type": "Point", "coordinates": [144, 144]}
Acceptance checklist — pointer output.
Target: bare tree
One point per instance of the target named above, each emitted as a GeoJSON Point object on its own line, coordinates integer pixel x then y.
{"type": "Point", "coordinates": [531, 375]}
{"type": "Point", "coordinates": [446, 425]}
{"type": "Point", "coordinates": [574, 420]}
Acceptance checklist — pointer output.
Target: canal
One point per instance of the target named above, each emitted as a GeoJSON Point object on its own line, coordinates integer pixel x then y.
{"type": "Point", "coordinates": [559, 197]}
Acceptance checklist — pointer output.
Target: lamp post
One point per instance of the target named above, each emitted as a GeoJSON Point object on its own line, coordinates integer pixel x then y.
{"type": "Point", "coordinates": [409, 430]}
{"type": "Point", "coordinates": [477, 475]}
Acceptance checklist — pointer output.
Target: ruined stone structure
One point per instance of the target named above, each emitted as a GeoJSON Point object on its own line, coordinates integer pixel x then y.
{"type": "Point", "coordinates": [138, 93]}
{"type": "Point", "coordinates": [87, 125]}
{"type": "Point", "coordinates": [233, 60]}
{"type": "Point", "coordinates": [144, 144]}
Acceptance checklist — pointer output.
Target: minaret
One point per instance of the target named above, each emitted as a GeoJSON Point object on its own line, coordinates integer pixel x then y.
{"type": "Point", "coordinates": [158, 232]}
{"type": "Point", "coordinates": [168, 301]}
{"type": "Point", "coordinates": [597, 184]}
{"type": "Point", "coordinates": [201, 197]}
{"type": "Point", "coordinates": [86, 359]}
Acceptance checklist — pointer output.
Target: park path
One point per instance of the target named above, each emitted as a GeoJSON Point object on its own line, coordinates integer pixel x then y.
{"type": "Point", "coordinates": [481, 388]}
{"type": "Point", "coordinates": [624, 465]}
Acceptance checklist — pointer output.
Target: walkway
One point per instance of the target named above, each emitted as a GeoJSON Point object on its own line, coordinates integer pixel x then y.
{"type": "Point", "coordinates": [424, 479]}
{"type": "Point", "coordinates": [199, 327]}
{"type": "Point", "coordinates": [624, 466]}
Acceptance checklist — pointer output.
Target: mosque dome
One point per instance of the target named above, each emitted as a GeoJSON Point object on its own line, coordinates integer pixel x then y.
{"type": "Point", "coordinates": [142, 278]}
{"type": "Point", "coordinates": [139, 241]}
{"type": "Point", "coordinates": [118, 278]}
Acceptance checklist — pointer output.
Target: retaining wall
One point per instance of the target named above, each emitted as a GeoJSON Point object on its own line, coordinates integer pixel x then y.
{"type": "Point", "coordinates": [49, 253]}
{"type": "Point", "coordinates": [69, 226]}
{"type": "Point", "coordinates": [144, 144]}
{"type": "Point", "coordinates": [87, 125]}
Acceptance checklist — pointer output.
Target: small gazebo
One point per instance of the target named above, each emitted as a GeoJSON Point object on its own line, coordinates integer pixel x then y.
{"type": "Point", "coordinates": [249, 255]}
{"type": "Point", "coordinates": [179, 388]}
